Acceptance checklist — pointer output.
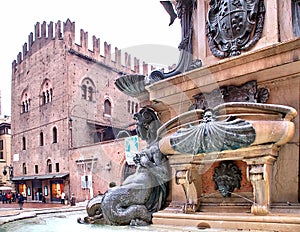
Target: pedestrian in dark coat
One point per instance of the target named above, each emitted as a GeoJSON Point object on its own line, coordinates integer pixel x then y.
{"type": "Point", "coordinates": [20, 200]}
{"type": "Point", "coordinates": [3, 198]}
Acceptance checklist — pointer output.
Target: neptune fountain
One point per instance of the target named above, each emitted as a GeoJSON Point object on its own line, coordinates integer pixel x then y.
{"type": "Point", "coordinates": [209, 113]}
{"type": "Point", "coordinates": [175, 149]}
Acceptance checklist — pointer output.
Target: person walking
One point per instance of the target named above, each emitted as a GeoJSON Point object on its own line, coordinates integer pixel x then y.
{"type": "Point", "coordinates": [20, 200]}
{"type": "Point", "coordinates": [13, 197]}
{"type": "Point", "coordinates": [62, 201]}
{"type": "Point", "coordinates": [3, 197]}
{"type": "Point", "coordinates": [8, 197]}
{"type": "Point", "coordinates": [43, 199]}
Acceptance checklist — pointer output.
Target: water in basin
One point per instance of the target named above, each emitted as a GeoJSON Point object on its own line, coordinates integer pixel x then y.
{"type": "Point", "coordinates": [67, 222]}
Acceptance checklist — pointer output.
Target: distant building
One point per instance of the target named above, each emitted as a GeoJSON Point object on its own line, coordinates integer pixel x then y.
{"type": "Point", "coordinates": [67, 114]}
{"type": "Point", "coordinates": [5, 152]}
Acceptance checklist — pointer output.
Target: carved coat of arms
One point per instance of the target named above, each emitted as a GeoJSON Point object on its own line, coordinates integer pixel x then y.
{"type": "Point", "coordinates": [234, 26]}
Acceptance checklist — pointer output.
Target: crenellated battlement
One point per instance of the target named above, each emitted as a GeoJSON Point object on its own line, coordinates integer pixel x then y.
{"type": "Point", "coordinates": [52, 33]}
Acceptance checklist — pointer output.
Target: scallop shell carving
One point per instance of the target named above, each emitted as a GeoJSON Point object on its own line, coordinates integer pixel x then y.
{"type": "Point", "coordinates": [211, 135]}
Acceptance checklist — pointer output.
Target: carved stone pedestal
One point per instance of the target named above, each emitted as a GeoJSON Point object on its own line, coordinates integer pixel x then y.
{"type": "Point", "coordinates": [259, 172]}
{"type": "Point", "coordinates": [249, 132]}
{"type": "Point", "coordinates": [187, 169]}
{"type": "Point", "coordinates": [187, 187]}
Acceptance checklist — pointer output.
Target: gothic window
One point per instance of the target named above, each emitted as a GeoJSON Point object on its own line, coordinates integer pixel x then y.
{"type": "Point", "coordinates": [54, 134]}
{"type": "Point", "coordinates": [132, 107]}
{"type": "Point", "coordinates": [24, 143]}
{"type": "Point", "coordinates": [41, 139]}
{"type": "Point", "coordinates": [87, 89]}
{"type": "Point", "coordinates": [46, 92]}
{"type": "Point", "coordinates": [296, 17]}
{"type": "Point", "coordinates": [49, 165]}
{"type": "Point", "coordinates": [25, 103]}
{"type": "Point", "coordinates": [107, 107]}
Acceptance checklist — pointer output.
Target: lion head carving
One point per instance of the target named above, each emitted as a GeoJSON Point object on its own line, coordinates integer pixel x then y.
{"type": "Point", "coordinates": [227, 177]}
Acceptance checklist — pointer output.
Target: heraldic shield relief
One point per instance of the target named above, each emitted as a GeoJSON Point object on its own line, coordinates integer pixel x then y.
{"type": "Point", "coordinates": [234, 26]}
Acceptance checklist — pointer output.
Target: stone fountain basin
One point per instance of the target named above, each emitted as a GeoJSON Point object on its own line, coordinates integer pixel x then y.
{"type": "Point", "coordinates": [270, 123]}
{"type": "Point", "coordinates": [131, 84]}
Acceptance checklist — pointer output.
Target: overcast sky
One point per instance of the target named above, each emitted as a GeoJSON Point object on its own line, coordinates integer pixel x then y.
{"type": "Point", "coordinates": [126, 24]}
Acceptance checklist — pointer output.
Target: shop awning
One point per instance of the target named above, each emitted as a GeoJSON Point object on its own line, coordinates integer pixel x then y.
{"type": "Point", "coordinates": [40, 177]}
{"type": "Point", "coordinates": [2, 188]}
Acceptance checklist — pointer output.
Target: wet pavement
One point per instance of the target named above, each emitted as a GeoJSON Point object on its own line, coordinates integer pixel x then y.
{"type": "Point", "coordinates": [11, 212]}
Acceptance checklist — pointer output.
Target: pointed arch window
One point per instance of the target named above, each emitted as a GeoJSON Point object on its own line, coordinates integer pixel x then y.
{"type": "Point", "coordinates": [88, 89]}
{"type": "Point", "coordinates": [49, 166]}
{"type": "Point", "coordinates": [25, 103]}
{"type": "Point", "coordinates": [54, 134]}
{"type": "Point", "coordinates": [46, 92]}
{"type": "Point", "coordinates": [107, 107]}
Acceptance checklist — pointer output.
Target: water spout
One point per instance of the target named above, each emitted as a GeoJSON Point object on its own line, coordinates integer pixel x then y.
{"type": "Point", "coordinates": [245, 198]}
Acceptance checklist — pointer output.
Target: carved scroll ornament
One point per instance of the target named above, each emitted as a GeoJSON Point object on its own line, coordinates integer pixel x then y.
{"type": "Point", "coordinates": [247, 92]}
{"type": "Point", "coordinates": [234, 26]}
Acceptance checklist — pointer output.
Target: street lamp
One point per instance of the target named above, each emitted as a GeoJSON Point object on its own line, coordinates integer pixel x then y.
{"type": "Point", "coordinates": [10, 169]}
{"type": "Point", "coordinates": [71, 133]}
